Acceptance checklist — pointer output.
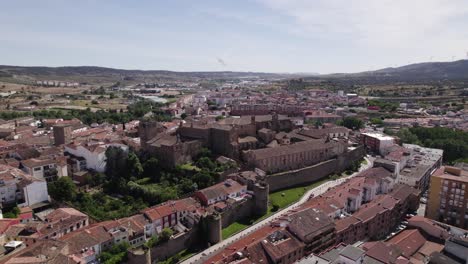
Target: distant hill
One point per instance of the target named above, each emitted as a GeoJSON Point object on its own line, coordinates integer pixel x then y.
{"type": "Point", "coordinates": [456, 70]}
{"type": "Point", "coordinates": [428, 71]}
{"type": "Point", "coordinates": [96, 74]}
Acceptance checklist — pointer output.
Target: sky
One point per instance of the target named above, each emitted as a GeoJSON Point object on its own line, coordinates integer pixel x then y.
{"type": "Point", "coordinates": [307, 36]}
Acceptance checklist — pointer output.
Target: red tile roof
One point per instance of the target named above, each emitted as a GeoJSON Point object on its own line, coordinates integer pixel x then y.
{"type": "Point", "coordinates": [408, 241]}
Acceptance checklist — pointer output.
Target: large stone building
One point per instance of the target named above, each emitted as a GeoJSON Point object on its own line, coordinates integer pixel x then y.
{"type": "Point", "coordinates": [294, 156]}
{"type": "Point", "coordinates": [264, 109]}
{"type": "Point", "coordinates": [227, 137]}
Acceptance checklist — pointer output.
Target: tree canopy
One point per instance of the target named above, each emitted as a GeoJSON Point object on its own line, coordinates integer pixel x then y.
{"type": "Point", "coordinates": [63, 189]}
{"type": "Point", "coordinates": [453, 142]}
{"type": "Point", "coordinates": [351, 123]}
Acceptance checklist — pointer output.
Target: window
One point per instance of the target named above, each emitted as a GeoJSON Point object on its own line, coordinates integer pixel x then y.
{"type": "Point", "coordinates": [37, 169]}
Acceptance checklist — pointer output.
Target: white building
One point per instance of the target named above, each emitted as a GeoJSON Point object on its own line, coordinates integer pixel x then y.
{"type": "Point", "coordinates": [47, 169]}
{"type": "Point", "coordinates": [18, 187]}
{"type": "Point", "coordinates": [376, 142]}
{"type": "Point", "coordinates": [94, 154]}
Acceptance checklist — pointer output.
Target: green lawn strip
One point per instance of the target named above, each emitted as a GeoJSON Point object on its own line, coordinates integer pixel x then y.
{"type": "Point", "coordinates": [283, 198]}
{"type": "Point", "coordinates": [233, 228]}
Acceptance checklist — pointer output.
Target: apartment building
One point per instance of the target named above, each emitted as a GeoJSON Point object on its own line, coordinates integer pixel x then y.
{"type": "Point", "coordinates": [448, 196]}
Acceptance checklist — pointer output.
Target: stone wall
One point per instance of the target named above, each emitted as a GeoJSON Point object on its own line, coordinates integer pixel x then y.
{"type": "Point", "coordinates": [174, 246]}
{"type": "Point", "coordinates": [238, 212]}
{"type": "Point", "coordinates": [313, 173]}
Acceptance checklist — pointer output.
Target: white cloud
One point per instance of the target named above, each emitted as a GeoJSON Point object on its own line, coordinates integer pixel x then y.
{"type": "Point", "coordinates": [422, 27]}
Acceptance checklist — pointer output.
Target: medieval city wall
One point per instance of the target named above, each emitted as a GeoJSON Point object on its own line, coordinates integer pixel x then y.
{"type": "Point", "coordinates": [174, 246]}
{"type": "Point", "coordinates": [308, 175]}
{"type": "Point", "coordinates": [237, 211]}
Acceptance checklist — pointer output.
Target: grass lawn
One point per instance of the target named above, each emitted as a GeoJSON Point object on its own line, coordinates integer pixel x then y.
{"type": "Point", "coordinates": [234, 228]}
{"type": "Point", "coordinates": [286, 197]}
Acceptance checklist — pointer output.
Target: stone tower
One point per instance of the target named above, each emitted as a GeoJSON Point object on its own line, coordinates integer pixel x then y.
{"type": "Point", "coordinates": [275, 122]}
{"type": "Point", "coordinates": [62, 134]}
{"type": "Point", "coordinates": [148, 130]}
{"type": "Point", "coordinates": [213, 228]}
{"type": "Point", "coordinates": [261, 190]}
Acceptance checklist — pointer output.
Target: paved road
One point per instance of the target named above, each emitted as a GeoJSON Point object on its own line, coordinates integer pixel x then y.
{"type": "Point", "coordinates": [211, 251]}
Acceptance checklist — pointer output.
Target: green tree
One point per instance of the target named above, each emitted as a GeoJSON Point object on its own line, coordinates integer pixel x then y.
{"type": "Point", "coordinates": [134, 166]}
{"type": "Point", "coordinates": [351, 123]}
{"type": "Point", "coordinates": [151, 169]}
{"type": "Point", "coordinates": [116, 169]}
{"type": "Point", "coordinates": [116, 254]}
{"type": "Point", "coordinates": [318, 124]}
{"type": "Point", "coordinates": [203, 179]}
{"type": "Point", "coordinates": [63, 189]}
{"type": "Point", "coordinates": [377, 121]}
{"type": "Point", "coordinates": [12, 213]}
{"type": "Point", "coordinates": [183, 115]}
{"type": "Point", "coordinates": [205, 163]}
{"type": "Point", "coordinates": [152, 242]}
{"type": "Point", "coordinates": [166, 234]}
{"type": "Point", "coordinates": [204, 152]}
{"type": "Point", "coordinates": [406, 136]}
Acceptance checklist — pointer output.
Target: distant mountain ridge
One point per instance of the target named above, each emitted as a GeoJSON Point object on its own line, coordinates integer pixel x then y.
{"type": "Point", "coordinates": [455, 70]}
{"type": "Point", "coordinates": [83, 71]}
{"type": "Point", "coordinates": [427, 71]}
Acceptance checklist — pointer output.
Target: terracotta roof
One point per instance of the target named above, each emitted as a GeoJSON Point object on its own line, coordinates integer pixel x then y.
{"type": "Point", "coordinates": [428, 226]}
{"type": "Point", "coordinates": [159, 211]}
{"type": "Point", "coordinates": [403, 191]}
{"type": "Point", "coordinates": [376, 172]}
{"type": "Point", "coordinates": [344, 223]}
{"type": "Point", "coordinates": [6, 223]}
{"type": "Point", "coordinates": [309, 222]}
{"type": "Point", "coordinates": [63, 213]}
{"type": "Point", "coordinates": [252, 238]}
{"type": "Point", "coordinates": [98, 232]}
{"type": "Point", "coordinates": [408, 241]}
{"type": "Point", "coordinates": [280, 244]}
{"type": "Point", "coordinates": [368, 212]}
{"type": "Point", "coordinates": [222, 189]}
{"type": "Point", "coordinates": [384, 253]}
{"type": "Point", "coordinates": [44, 251]}
{"type": "Point", "coordinates": [79, 240]}
{"type": "Point", "coordinates": [31, 163]}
